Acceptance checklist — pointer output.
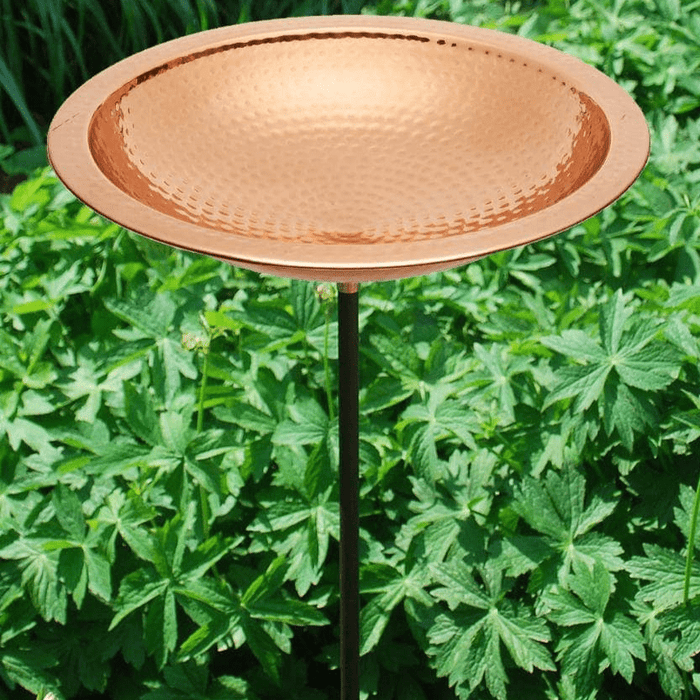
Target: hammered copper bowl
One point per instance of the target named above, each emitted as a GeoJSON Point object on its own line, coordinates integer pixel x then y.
{"type": "Point", "coordinates": [349, 148]}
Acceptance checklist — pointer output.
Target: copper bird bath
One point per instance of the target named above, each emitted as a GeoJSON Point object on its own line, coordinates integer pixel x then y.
{"type": "Point", "coordinates": [348, 149]}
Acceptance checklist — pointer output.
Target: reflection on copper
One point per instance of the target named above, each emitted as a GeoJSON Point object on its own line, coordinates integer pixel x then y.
{"type": "Point", "coordinates": [350, 148]}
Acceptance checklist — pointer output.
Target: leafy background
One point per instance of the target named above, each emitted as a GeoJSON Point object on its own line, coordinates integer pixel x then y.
{"type": "Point", "coordinates": [530, 422]}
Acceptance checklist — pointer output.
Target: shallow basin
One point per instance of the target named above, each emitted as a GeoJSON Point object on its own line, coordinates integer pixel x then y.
{"type": "Point", "coordinates": [349, 148]}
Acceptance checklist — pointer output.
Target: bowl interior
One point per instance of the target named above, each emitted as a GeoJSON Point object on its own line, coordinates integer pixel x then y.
{"type": "Point", "coordinates": [349, 137]}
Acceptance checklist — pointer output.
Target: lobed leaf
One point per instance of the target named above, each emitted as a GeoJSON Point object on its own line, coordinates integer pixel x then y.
{"type": "Point", "coordinates": [665, 571]}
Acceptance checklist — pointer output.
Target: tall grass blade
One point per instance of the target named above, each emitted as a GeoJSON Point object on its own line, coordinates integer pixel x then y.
{"type": "Point", "coordinates": [9, 43]}
{"type": "Point", "coordinates": [104, 30]}
{"type": "Point", "coordinates": [49, 29]}
{"type": "Point", "coordinates": [154, 14]}
{"type": "Point", "coordinates": [9, 85]}
{"type": "Point", "coordinates": [691, 543]}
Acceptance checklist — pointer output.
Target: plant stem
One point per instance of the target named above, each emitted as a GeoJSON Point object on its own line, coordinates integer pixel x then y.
{"type": "Point", "coordinates": [327, 369]}
{"type": "Point", "coordinates": [200, 422]}
{"type": "Point", "coordinates": [202, 387]}
{"type": "Point", "coordinates": [691, 543]}
{"type": "Point", "coordinates": [206, 511]}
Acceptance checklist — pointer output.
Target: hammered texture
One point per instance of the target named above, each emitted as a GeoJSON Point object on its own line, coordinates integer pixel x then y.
{"type": "Point", "coordinates": [349, 137]}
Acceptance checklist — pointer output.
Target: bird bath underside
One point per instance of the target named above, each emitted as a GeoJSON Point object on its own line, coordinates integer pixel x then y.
{"type": "Point", "coordinates": [349, 149]}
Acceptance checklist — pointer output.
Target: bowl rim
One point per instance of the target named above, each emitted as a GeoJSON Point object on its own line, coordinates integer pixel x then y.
{"type": "Point", "coordinates": [71, 158]}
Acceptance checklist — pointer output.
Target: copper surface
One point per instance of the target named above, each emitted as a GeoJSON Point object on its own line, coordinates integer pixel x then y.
{"type": "Point", "coordinates": [348, 148]}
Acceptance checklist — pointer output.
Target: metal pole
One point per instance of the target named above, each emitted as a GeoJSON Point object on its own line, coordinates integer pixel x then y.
{"type": "Point", "coordinates": [348, 417]}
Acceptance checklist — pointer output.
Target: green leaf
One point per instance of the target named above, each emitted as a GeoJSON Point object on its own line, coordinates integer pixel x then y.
{"type": "Point", "coordinates": [429, 424]}
{"type": "Point", "coordinates": [264, 648]}
{"type": "Point", "coordinates": [287, 611]}
{"type": "Point", "coordinates": [304, 303]}
{"type": "Point", "coordinates": [592, 585]}
{"type": "Point", "coordinates": [69, 512]}
{"type": "Point", "coordinates": [383, 392]}
{"type": "Point", "coordinates": [150, 314]}
{"type": "Point", "coordinates": [99, 574]}
{"type": "Point", "coordinates": [466, 644]}
{"type": "Point", "coordinates": [276, 326]}
{"type": "Point", "coordinates": [683, 514]}
{"type": "Point", "coordinates": [191, 681]}
{"type": "Point", "coordinates": [396, 358]}
{"type": "Point", "coordinates": [621, 640]}
{"type": "Point", "coordinates": [458, 420]}
{"type": "Point", "coordinates": [31, 433]}
{"type": "Point", "coordinates": [521, 553]}
{"type": "Point", "coordinates": [585, 383]}
{"type": "Point", "coordinates": [576, 344]}
{"type": "Point", "coordinates": [135, 590]}
{"type": "Point", "coordinates": [375, 616]}
{"type": "Point", "coordinates": [217, 611]}
{"type": "Point", "coordinates": [556, 506]}
{"type": "Point", "coordinates": [627, 364]}
{"type": "Point", "coordinates": [612, 319]}
{"type": "Point", "coordinates": [458, 586]}
{"type": "Point", "coordinates": [40, 577]}
{"type": "Point", "coordinates": [318, 477]}
{"type": "Point", "coordinates": [424, 450]}
{"type": "Point", "coordinates": [141, 415]}
{"type": "Point", "coordinates": [602, 637]}
{"type": "Point", "coordinates": [247, 417]}
{"type": "Point", "coordinates": [681, 628]}
{"type": "Point", "coordinates": [498, 377]}
{"type": "Point", "coordinates": [175, 431]}
{"type": "Point", "coordinates": [32, 307]}
{"type": "Point", "coordinates": [665, 571]}
{"type": "Point", "coordinates": [627, 411]}
{"type": "Point", "coordinates": [177, 362]}
{"type": "Point", "coordinates": [29, 668]}
{"type": "Point", "coordinates": [524, 636]}
{"type": "Point", "coordinates": [30, 192]}
{"type": "Point", "coordinates": [266, 584]}
{"type": "Point", "coordinates": [309, 425]}
{"type": "Point", "coordinates": [195, 564]}
{"type": "Point", "coordinates": [73, 574]}
{"type": "Point", "coordinates": [305, 539]}
{"type": "Point", "coordinates": [185, 524]}
{"type": "Point", "coordinates": [160, 628]}
{"type": "Point", "coordinates": [651, 370]}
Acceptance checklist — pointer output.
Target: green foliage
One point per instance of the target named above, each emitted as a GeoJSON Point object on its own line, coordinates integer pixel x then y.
{"type": "Point", "coordinates": [468, 645]}
{"type": "Point", "coordinates": [530, 432]}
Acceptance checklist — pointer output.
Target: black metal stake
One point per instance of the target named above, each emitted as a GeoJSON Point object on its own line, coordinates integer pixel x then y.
{"type": "Point", "coordinates": [348, 417]}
